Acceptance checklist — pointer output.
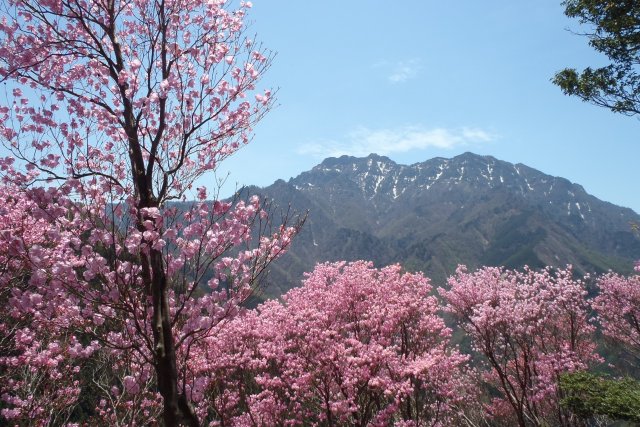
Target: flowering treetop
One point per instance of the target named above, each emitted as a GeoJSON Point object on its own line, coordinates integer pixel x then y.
{"type": "Point", "coordinates": [127, 89]}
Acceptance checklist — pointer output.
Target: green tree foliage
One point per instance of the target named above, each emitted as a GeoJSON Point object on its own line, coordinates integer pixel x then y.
{"type": "Point", "coordinates": [588, 395]}
{"type": "Point", "coordinates": [613, 29]}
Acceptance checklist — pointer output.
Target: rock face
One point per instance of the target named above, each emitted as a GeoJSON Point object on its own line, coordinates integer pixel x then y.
{"type": "Point", "coordinates": [432, 216]}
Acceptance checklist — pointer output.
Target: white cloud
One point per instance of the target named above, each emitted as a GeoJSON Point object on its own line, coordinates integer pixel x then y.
{"type": "Point", "coordinates": [364, 141]}
{"type": "Point", "coordinates": [404, 70]}
{"type": "Point", "coordinates": [477, 135]}
{"type": "Point", "coordinates": [400, 71]}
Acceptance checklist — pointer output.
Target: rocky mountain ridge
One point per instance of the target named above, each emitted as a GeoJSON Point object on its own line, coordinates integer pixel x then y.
{"type": "Point", "coordinates": [434, 215]}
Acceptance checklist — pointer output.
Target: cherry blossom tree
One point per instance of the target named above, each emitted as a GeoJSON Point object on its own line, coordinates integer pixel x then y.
{"type": "Point", "coordinates": [354, 345]}
{"type": "Point", "coordinates": [114, 109]}
{"type": "Point", "coordinates": [618, 310]}
{"type": "Point", "coordinates": [530, 327]}
{"type": "Point", "coordinates": [34, 344]}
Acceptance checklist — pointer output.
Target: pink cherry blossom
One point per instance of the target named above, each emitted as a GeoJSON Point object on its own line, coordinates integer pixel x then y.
{"type": "Point", "coordinates": [530, 326]}
{"type": "Point", "coordinates": [118, 108]}
{"type": "Point", "coordinates": [618, 310]}
{"type": "Point", "coordinates": [353, 346]}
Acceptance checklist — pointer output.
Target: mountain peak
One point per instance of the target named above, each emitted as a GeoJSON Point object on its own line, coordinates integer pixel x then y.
{"type": "Point", "coordinates": [470, 155]}
{"type": "Point", "coordinates": [349, 160]}
{"type": "Point", "coordinates": [434, 215]}
{"type": "Point", "coordinates": [380, 178]}
{"type": "Point", "coordinates": [378, 157]}
{"type": "Point", "coordinates": [379, 181]}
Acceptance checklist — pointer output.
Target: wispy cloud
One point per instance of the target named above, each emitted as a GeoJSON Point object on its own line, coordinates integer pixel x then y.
{"type": "Point", "coordinates": [404, 70]}
{"type": "Point", "coordinates": [400, 71]}
{"type": "Point", "coordinates": [364, 141]}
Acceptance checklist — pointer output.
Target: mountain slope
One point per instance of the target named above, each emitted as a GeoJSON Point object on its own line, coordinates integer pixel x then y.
{"type": "Point", "coordinates": [432, 216]}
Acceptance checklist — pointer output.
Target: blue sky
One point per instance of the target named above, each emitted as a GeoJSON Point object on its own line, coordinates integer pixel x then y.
{"type": "Point", "coordinates": [416, 79]}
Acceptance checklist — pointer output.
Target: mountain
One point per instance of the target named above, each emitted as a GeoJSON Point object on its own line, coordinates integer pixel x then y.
{"type": "Point", "coordinates": [432, 216]}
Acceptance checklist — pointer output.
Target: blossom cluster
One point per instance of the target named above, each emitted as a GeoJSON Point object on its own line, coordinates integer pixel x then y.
{"type": "Point", "coordinates": [355, 345]}
{"type": "Point", "coordinates": [530, 326]}
{"type": "Point", "coordinates": [76, 317]}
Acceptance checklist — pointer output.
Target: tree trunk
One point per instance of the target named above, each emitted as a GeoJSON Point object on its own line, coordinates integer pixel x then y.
{"type": "Point", "coordinates": [176, 409]}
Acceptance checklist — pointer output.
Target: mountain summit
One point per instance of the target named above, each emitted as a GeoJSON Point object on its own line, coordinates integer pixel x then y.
{"type": "Point", "coordinates": [432, 216]}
